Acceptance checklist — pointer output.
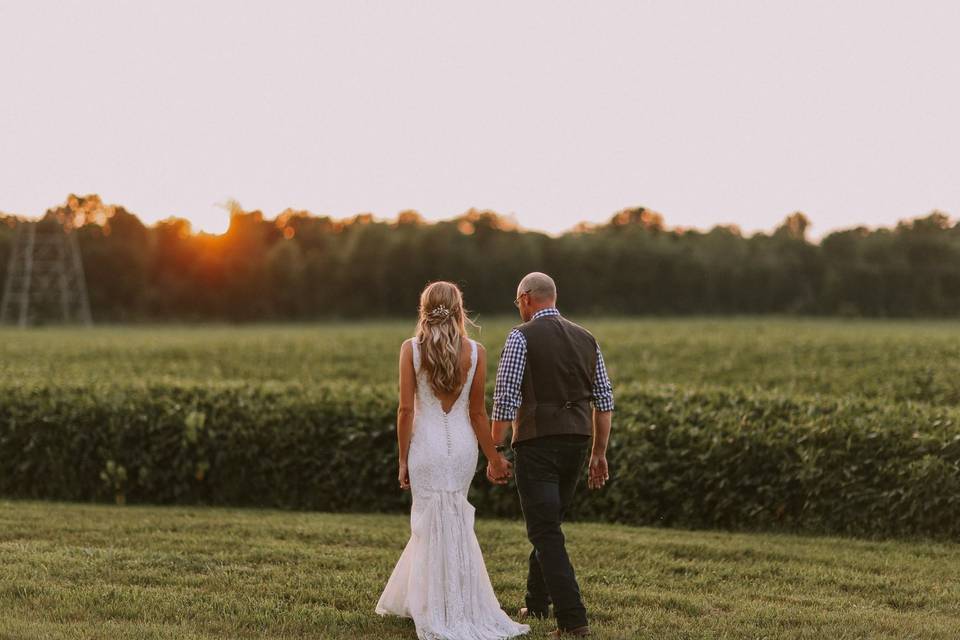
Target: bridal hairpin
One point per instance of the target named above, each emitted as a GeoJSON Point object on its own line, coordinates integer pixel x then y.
{"type": "Point", "coordinates": [440, 312]}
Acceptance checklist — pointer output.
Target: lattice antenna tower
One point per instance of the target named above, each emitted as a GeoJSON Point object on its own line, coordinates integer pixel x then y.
{"type": "Point", "coordinates": [44, 282]}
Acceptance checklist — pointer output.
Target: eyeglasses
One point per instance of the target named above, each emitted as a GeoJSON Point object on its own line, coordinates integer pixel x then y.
{"type": "Point", "coordinates": [516, 302]}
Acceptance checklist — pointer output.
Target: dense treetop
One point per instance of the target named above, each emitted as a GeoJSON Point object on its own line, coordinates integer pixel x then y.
{"type": "Point", "coordinates": [303, 266]}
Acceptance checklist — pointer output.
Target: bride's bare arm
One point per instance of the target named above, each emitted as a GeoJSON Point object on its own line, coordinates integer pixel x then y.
{"type": "Point", "coordinates": [497, 464]}
{"type": "Point", "coordinates": [478, 406]}
{"type": "Point", "coordinates": [405, 409]}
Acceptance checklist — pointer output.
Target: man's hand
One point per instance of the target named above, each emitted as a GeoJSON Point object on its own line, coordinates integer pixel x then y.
{"type": "Point", "coordinates": [599, 474]}
{"type": "Point", "coordinates": [404, 476]}
{"type": "Point", "coordinates": [499, 470]}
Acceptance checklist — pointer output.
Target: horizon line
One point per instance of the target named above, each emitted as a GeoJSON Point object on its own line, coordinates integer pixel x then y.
{"type": "Point", "coordinates": [511, 217]}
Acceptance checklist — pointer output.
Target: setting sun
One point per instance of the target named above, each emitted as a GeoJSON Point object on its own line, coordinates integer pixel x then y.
{"type": "Point", "coordinates": [216, 221]}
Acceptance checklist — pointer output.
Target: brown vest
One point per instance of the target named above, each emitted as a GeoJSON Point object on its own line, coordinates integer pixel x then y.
{"type": "Point", "coordinates": [557, 381]}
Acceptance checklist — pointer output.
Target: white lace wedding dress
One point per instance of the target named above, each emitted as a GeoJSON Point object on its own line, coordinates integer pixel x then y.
{"type": "Point", "coordinates": [440, 579]}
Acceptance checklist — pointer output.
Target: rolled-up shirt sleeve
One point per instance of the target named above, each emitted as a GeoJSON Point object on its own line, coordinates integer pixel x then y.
{"type": "Point", "coordinates": [506, 389]}
{"type": "Point", "coordinates": [602, 389]}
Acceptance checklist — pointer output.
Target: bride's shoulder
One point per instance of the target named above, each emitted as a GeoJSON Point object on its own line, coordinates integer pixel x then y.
{"type": "Point", "coordinates": [408, 345]}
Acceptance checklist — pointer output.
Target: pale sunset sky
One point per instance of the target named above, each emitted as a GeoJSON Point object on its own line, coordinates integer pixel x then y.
{"type": "Point", "coordinates": [554, 112]}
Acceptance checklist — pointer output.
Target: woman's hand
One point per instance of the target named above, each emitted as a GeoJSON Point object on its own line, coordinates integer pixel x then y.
{"type": "Point", "coordinates": [499, 469]}
{"type": "Point", "coordinates": [404, 476]}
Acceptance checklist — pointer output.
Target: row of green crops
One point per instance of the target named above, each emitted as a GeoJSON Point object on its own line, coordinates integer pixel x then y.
{"type": "Point", "coordinates": [693, 458]}
{"type": "Point", "coordinates": [882, 360]}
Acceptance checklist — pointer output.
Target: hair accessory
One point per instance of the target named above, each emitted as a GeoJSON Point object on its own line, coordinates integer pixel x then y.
{"type": "Point", "coordinates": [440, 312]}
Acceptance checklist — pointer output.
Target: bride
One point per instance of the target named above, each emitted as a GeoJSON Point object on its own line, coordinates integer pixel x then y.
{"type": "Point", "coordinates": [440, 579]}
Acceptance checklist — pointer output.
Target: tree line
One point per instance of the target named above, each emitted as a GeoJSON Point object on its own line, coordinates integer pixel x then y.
{"type": "Point", "coordinates": [300, 266]}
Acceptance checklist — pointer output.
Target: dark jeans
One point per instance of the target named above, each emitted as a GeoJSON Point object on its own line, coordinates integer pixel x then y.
{"type": "Point", "coordinates": [547, 470]}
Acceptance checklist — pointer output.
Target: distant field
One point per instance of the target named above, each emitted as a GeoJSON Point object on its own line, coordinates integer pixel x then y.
{"type": "Point", "coordinates": [829, 426]}
{"type": "Point", "coordinates": [72, 572]}
{"type": "Point", "coordinates": [884, 360]}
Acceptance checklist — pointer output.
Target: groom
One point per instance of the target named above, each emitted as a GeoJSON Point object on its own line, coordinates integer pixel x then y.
{"type": "Point", "coordinates": [551, 371]}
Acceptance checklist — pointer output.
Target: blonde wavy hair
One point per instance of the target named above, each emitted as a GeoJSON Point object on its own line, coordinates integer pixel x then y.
{"type": "Point", "coordinates": [441, 327]}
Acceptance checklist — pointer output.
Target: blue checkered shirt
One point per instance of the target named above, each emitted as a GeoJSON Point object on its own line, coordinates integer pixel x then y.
{"type": "Point", "coordinates": [513, 360]}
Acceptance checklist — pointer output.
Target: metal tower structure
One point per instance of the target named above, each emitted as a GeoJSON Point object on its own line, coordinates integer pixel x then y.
{"type": "Point", "coordinates": [44, 281]}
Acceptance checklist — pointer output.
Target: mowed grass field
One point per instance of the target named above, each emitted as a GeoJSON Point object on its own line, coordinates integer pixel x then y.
{"type": "Point", "coordinates": [99, 571]}
{"type": "Point", "coordinates": [93, 571]}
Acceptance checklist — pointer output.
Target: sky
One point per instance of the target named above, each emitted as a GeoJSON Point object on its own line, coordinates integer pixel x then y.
{"type": "Point", "coordinates": [554, 112]}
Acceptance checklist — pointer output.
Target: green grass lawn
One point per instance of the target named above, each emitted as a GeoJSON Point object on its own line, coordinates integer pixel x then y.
{"type": "Point", "coordinates": [93, 571]}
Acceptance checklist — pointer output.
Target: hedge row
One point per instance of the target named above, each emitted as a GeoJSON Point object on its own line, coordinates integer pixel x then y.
{"type": "Point", "coordinates": [704, 459]}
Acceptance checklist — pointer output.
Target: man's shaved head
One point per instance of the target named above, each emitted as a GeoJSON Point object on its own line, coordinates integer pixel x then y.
{"type": "Point", "coordinates": [541, 287]}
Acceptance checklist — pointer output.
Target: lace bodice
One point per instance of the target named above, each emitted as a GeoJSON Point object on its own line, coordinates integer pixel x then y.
{"type": "Point", "coordinates": [443, 443]}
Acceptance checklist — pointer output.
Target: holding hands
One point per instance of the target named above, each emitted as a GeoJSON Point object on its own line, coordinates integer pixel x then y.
{"type": "Point", "coordinates": [499, 469]}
